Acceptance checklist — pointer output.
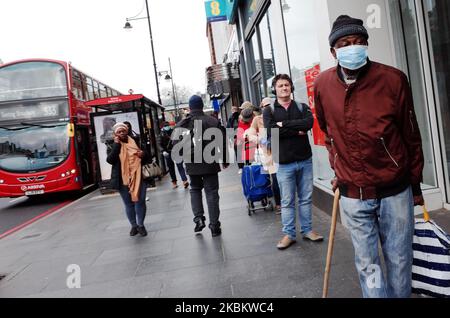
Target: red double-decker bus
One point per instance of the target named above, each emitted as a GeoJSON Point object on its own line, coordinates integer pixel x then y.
{"type": "Point", "coordinates": [45, 131]}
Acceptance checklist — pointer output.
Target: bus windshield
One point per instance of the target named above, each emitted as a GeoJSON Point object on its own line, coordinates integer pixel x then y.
{"type": "Point", "coordinates": [30, 80]}
{"type": "Point", "coordinates": [29, 148]}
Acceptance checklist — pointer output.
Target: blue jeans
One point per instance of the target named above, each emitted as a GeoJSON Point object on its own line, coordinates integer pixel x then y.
{"type": "Point", "coordinates": [135, 211]}
{"type": "Point", "coordinates": [391, 220]}
{"type": "Point", "coordinates": [296, 177]}
{"type": "Point", "coordinates": [171, 167]}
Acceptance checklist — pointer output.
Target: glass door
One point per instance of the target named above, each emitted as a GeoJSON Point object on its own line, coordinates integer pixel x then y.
{"type": "Point", "coordinates": [410, 59]}
{"type": "Point", "coordinates": [437, 20]}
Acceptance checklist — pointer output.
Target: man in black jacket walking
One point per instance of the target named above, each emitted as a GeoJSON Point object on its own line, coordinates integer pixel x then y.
{"type": "Point", "coordinates": [295, 171]}
{"type": "Point", "coordinates": [203, 173]}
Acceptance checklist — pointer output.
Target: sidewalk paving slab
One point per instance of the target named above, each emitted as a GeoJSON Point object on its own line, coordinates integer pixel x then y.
{"type": "Point", "coordinates": [172, 261]}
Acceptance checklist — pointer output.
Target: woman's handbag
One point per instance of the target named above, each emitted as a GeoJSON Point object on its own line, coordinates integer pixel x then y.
{"type": "Point", "coordinates": [151, 170]}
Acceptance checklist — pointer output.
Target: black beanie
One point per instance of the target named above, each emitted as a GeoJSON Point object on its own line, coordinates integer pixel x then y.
{"type": "Point", "coordinates": [345, 25]}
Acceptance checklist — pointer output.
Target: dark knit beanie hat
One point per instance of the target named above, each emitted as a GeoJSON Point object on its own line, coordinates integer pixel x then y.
{"type": "Point", "coordinates": [345, 25]}
{"type": "Point", "coordinates": [196, 102]}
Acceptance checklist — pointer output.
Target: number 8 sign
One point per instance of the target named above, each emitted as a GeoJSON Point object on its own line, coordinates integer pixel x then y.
{"type": "Point", "coordinates": [216, 10]}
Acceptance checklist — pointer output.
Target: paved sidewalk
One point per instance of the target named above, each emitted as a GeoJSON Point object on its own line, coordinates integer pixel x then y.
{"type": "Point", "coordinates": [171, 261]}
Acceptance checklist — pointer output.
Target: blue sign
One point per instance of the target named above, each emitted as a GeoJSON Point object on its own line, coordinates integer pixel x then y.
{"type": "Point", "coordinates": [216, 105]}
{"type": "Point", "coordinates": [216, 10]}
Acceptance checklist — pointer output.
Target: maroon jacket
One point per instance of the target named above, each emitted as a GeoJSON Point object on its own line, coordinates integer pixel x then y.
{"type": "Point", "coordinates": [373, 138]}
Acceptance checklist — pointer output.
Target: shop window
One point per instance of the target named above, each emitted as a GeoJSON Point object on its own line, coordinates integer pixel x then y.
{"type": "Point", "coordinates": [304, 57]}
{"type": "Point", "coordinates": [263, 58]}
{"type": "Point", "coordinates": [410, 60]}
{"type": "Point", "coordinates": [437, 14]}
{"type": "Point", "coordinates": [267, 50]}
{"type": "Point", "coordinates": [257, 58]}
{"type": "Point", "coordinates": [302, 40]}
{"type": "Point", "coordinates": [250, 7]}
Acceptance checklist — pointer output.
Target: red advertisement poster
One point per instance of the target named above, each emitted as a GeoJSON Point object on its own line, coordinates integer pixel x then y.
{"type": "Point", "coordinates": [310, 76]}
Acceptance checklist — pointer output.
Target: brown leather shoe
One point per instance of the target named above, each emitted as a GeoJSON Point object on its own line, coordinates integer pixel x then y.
{"type": "Point", "coordinates": [285, 242]}
{"type": "Point", "coordinates": [313, 236]}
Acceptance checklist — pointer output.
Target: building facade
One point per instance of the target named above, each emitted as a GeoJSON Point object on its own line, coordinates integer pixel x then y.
{"type": "Point", "coordinates": [223, 76]}
{"type": "Point", "coordinates": [291, 36]}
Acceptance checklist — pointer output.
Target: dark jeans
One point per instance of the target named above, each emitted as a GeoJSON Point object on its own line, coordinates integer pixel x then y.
{"type": "Point", "coordinates": [276, 189]}
{"type": "Point", "coordinates": [210, 183]}
{"type": "Point", "coordinates": [171, 166]}
{"type": "Point", "coordinates": [135, 211]}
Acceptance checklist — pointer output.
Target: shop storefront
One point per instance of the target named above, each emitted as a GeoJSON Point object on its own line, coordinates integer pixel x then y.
{"type": "Point", "coordinates": [291, 36]}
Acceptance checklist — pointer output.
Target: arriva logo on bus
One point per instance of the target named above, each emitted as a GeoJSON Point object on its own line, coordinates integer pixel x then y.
{"type": "Point", "coordinates": [33, 187]}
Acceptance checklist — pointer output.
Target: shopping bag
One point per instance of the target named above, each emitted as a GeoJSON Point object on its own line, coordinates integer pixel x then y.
{"type": "Point", "coordinates": [431, 259]}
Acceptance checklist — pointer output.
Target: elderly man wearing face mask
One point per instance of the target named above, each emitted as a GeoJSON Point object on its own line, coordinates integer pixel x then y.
{"type": "Point", "coordinates": [366, 110]}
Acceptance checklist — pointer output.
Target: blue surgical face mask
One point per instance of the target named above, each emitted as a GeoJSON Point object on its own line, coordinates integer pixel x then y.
{"type": "Point", "coordinates": [166, 128]}
{"type": "Point", "coordinates": [352, 57]}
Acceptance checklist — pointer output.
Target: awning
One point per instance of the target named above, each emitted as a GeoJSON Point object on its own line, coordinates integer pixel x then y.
{"type": "Point", "coordinates": [121, 102]}
{"type": "Point", "coordinates": [113, 100]}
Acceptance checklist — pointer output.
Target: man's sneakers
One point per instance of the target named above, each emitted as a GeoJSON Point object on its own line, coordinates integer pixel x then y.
{"type": "Point", "coordinates": [240, 171]}
{"type": "Point", "coordinates": [215, 229]}
{"type": "Point", "coordinates": [199, 226]}
{"type": "Point", "coordinates": [285, 242]}
{"type": "Point", "coordinates": [313, 236]}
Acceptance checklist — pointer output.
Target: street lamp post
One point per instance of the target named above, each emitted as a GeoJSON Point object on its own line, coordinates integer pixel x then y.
{"type": "Point", "coordinates": [169, 76]}
{"type": "Point", "coordinates": [128, 26]}
{"type": "Point", "coordinates": [173, 91]}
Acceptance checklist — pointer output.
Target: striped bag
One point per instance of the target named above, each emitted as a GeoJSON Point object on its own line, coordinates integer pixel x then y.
{"type": "Point", "coordinates": [431, 259]}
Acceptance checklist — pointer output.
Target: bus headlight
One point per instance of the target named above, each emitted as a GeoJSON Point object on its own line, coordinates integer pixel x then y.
{"type": "Point", "coordinates": [73, 171]}
{"type": "Point", "coordinates": [2, 181]}
{"type": "Point", "coordinates": [63, 175]}
{"type": "Point", "coordinates": [70, 130]}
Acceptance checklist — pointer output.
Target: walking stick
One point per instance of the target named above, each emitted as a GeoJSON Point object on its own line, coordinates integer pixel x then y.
{"type": "Point", "coordinates": [330, 243]}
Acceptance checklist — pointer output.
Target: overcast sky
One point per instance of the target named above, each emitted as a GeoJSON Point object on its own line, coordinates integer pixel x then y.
{"type": "Point", "coordinates": [90, 34]}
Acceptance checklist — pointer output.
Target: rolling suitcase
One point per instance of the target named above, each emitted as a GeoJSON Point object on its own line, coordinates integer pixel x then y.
{"type": "Point", "coordinates": [257, 187]}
